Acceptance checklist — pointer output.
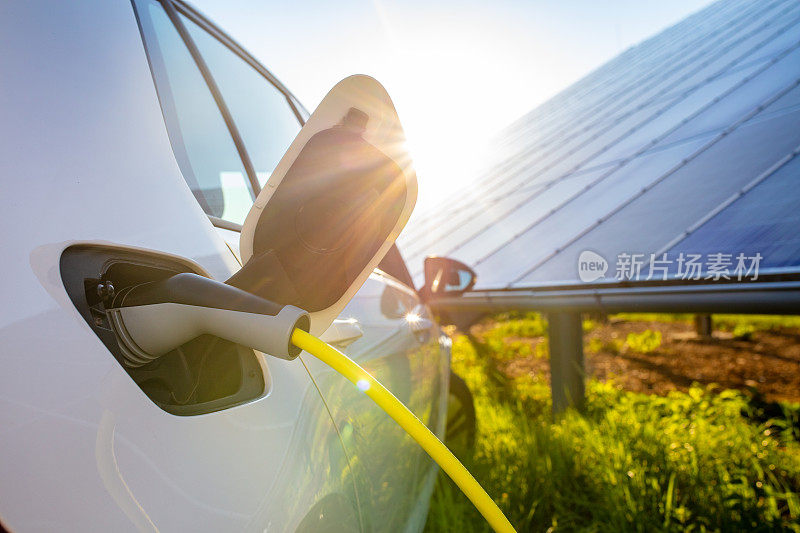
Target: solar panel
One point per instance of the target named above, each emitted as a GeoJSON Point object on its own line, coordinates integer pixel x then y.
{"type": "Point", "coordinates": [654, 217]}
{"type": "Point", "coordinates": [684, 142]}
{"type": "Point", "coordinates": [632, 81]}
{"type": "Point", "coordinates": [742, 227]}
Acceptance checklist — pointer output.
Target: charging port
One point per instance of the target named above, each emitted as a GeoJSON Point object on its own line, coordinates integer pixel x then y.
{"type": "Point", "coordinates": [204, 375]}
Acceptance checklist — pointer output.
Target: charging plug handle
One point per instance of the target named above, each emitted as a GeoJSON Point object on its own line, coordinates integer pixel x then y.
{"type": "Point", "coordinates": [154, 318]}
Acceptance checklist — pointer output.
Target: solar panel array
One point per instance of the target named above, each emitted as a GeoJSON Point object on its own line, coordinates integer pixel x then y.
{"type": "Point", "coordinates": [686, 143]}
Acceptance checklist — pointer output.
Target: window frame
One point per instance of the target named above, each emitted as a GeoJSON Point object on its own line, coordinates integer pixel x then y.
{"type": "Point", "coordinates": [215, 31]}
{"type": "Point", "coordinates": [174, 8]}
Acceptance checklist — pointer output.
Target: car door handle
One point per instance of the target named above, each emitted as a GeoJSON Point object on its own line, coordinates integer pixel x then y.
{"type": "Point", "coordinates": [343, 332]}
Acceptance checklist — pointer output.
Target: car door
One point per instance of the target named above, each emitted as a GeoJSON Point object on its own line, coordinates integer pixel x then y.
{"type": "Point", "coordinates": [402, 347]}
{"type": "Point", "coordinates": [213, 437]}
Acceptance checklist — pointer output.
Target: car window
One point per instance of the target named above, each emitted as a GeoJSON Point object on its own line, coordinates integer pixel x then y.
{"type": "Point", "coordinates": [266, 122]}
{"type": "Point", "coordinates": [200, 139]}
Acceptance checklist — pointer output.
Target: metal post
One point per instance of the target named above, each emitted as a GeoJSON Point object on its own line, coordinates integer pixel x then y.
{"type": "Point", "coordinates": [703, 326]}
{"type": "Point", "coordinates": [566, 361]}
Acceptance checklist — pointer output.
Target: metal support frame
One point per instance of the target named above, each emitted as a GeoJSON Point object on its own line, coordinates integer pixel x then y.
{"type": "Point", "coordinates": [703, 325]}
{"type": "Point", "coordinates": [778, 294]}
{"type": "Point", "coordinates": [774, 297]}
{"type": "Point", "coordinates": [566, 361]}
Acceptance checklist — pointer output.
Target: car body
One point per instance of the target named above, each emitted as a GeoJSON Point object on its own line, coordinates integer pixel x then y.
{"type": "Point", "coordinates": [116, 155]}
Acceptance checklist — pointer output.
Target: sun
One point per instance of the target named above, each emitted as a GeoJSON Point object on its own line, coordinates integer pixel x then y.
{"type": "Point", "coordinates": [449, 110]}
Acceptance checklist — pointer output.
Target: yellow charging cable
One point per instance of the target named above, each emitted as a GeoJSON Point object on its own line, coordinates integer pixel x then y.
{"type": "Point", "coordinates": [410, 423]}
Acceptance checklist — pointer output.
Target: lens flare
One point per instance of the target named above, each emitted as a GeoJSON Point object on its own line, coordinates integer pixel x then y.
{"type": "Point", "coordinates": [413, 318]}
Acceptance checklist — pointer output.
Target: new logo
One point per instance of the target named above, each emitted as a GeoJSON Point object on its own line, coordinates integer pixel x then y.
{"type": "Point", "coordinates": [591, 266]}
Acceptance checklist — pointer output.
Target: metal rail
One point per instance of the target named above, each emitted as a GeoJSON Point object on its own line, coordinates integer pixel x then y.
{"type": "Point", "coordinates": [750, 297]}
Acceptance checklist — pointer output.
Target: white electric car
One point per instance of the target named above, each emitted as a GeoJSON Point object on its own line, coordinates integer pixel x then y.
{"type": "Point", "coordinates": [135, 138]}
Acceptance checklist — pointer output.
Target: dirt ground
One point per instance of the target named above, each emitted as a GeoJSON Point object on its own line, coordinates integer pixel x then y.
{"type": "Point", "coordinates": [768, 362]}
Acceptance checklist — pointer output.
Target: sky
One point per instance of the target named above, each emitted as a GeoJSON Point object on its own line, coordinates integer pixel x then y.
{"type": "Point", "coordinates": [457, 71]}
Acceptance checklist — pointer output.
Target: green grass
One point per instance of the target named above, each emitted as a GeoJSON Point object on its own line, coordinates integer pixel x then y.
{"type": "Point", "coordinates": [530, 325]}
{"type": "Point", "coordinates": [654, 317]}
{"type": "Point", "coordinates": [723, 322]}
{"type": "Point", "coordinates": [613, 346]}
{"type": "Point", "coordinates": [743, 332]}
{"type": "Point", "coordinates": [691, 461]}
{"type": "Point", "coordinates": [756, 322]}
{"type": "Point", "coordinates": [645, 342]}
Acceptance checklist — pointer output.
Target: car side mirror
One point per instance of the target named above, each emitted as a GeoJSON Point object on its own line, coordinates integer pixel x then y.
{"type": "Point", "coordinates": [446, 277]}
{"type": "Point", "coordinates": [332, 207]}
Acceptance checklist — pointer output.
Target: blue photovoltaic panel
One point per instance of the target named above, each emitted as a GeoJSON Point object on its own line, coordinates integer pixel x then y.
{"type": "Point", "coordinates": [656, 217]}
{"type": "Point", "coordinates": [605, 105]}
{"type": "Point", "coordinates": [686, 141]}
{"type": "Point", "coordinates": [764, 220]}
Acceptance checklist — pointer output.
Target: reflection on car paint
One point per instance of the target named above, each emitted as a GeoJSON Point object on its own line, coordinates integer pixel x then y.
{"type": "Point", "coordinates": [382, 456]}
